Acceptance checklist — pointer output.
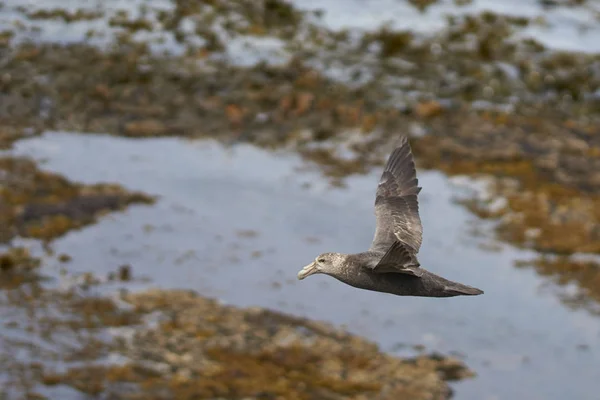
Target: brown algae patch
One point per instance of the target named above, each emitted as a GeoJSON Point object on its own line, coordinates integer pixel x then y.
{"type": "Point", "coordinates": [96, 91]}
{"type": "Point", "coordinates": [422, 5]}
{"type": "Point", "coordinates": [334, 166]}
{"type": "Point", "coordinates": [129, 90]}
{"type": "Point", "coordinates": [545, 169]}
{"type": "Point", "coordinates": [64, 14]}
{"type": "Point", "coordinates": [537, 214]}
{"type": "Point", "coordinates": [205, 350]}
{"type": "Point", "coordinates": [17, 267]}
{"type": "Point", "coordinates": [96, 313]}
{"type": "Point", "coordinates": [43, 205]}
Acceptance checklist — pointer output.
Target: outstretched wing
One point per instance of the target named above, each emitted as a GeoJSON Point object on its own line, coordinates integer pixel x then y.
{"type": "Point", "coordinates": [400, 259]}
{"type": "Point", "coordinates": [396, 203]}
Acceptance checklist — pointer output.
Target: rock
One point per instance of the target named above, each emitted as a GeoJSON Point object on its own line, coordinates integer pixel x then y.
{"type": "Point", "coordinates": [429, 109]}
{"type": "Point", "coordinates": [125, 272]}
{"type": "Point", "coordinates": [144, 128]}
{"type": "Point", "coordinates": [43, 205]}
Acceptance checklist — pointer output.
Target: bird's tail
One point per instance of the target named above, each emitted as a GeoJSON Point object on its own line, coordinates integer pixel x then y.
{"type": "Point", "coordinates": [458, 289]}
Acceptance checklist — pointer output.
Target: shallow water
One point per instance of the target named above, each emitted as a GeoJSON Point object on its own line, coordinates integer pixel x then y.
{"type": "Point", "coordinates": [238, 223]}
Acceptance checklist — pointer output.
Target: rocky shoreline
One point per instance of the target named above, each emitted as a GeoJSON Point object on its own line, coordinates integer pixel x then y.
{"type": "Point", "coordinates": [475, 98]}
{"type": "Point", "coordinates": [200, 349]}
{"type": "Point", "coordinates": [178, 344]}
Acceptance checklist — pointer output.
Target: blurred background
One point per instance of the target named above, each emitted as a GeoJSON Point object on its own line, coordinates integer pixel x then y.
{"type": "Point", "coordinates": [167, 167]}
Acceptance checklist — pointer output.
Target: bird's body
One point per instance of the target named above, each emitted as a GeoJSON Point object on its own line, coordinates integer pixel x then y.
{"type": "Point", "coordinates": [427, 285]}
{"type": "Point", "coordinates": [391, 265]}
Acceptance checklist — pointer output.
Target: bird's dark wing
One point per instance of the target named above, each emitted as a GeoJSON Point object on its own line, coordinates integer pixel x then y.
{"type": "Point", "coordinates": [396, 203]}
{"type": "Point", "coordinates": [400, 259]}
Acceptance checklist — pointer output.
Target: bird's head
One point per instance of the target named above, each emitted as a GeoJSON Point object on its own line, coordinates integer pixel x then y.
{"type": "Point", "coordinates": [326, 263]}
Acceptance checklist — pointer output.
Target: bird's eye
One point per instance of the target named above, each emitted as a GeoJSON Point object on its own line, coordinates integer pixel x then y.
{"type": "Point", "coordinates": [321, 260]}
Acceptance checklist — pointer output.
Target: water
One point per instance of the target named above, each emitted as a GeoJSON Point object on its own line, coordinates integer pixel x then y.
{"type": "Point", "coordinates": [218, 207]}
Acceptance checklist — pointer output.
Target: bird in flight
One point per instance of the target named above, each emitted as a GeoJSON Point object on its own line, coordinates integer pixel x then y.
{"type": "Point", "coordinates": [391, 265]}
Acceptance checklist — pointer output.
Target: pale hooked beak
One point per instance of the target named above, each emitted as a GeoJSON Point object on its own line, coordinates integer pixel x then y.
{"type": "Point", "coordinates": [308, 270]}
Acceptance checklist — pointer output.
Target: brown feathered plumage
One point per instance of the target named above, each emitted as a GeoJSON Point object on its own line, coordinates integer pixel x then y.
{"type": "Point", "coordinates": [391, 265]}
